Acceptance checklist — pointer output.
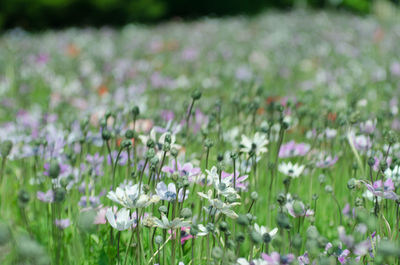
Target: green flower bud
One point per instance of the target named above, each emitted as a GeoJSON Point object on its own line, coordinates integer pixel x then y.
{"type": "Point", "coordinates": [196, 94]}
{"type": "Point", "coordinates": [106, 135]}
{"type": "Point", "coordinates": [217, 253]}
{"type": "Point", "coordinates": [150, 153]}
{"type": "Point", "coordinates": [23, 197]}
{"type": "Point", "coordinates": [174, 152]}
{"type": "Point", "coordinates": [371, 161]}
{"type": "Point", "coordinates": [254, 196]}
{"type": "Point", "coordinates": [85, 221]}
{"type": "Point", "coordinates": [240, 237]}
{"type": "Point", "coordinates": [54, 169]}
{"type": "Point", "coordinates": [297, 241]}
{"type": "Point", "coordinates": [129, 134]}
{"type": "Point", "coordinates": [126, 143]}
{"type": "Point", "coordinates": [298, 208]}
{"type": "Point", "coordinates": [223, 226]}
{"type": "Point", "coordinates": [159, 240]}
{"type": "Point", "coordinates": [5, 148]}
{"type": "Point", "coordinates": [351, 184]}
{"type": "Point", "coordinates": [59, 194]}
{"type": "Point", "coordinates": [243, 220]}
{"type": "Point", "coordinates": [135, 111]}
{"type": "Point", "coordinates": [163, 209]}
{"type": "Point", "coordinates": [186, 213]}
{"type": "Point", "coordinates": [283, 221]}
{"type": "Point", "coordinates": [328, 189]}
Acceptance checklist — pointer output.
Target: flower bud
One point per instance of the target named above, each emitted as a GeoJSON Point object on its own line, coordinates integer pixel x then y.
{"type": "Point", "coordinates": [163, 209]}
{"type": "Point", "coordinates": [159, 240]}
{"type": "Point", "coordinates": [217, 253]}
{"type": "Point", "coordinates": [174, 152]}
{"type": "Point", "coordinates": [5, 148]}
{"type": "Point", "coordinates": [371, 161]}
{"type": "Point", "coordinates": [23, 197]}
{"type": "Point", "coordinates": [196, 94]}
{"type": "Point", "coordinates": [351, 184]}
{"type": "Point", "coordinates": [150, 153]}
{"type": "Point", "coordinates": [254, 196]}
{"type": "Point", "coordinates": [328, 189]}
{"type": "Point", "coordinates": [135, 111]}
{"type": "Point", "coordinates": [129, 134]}
{"type": "Point", "coordinates": [243, 220]}
{"type": "Point", "coordinates": [59, 194]}
{"type": "Point", "coordinates": [106, 135]}
{"type": "Point", "coordinates": [186, 213]}
{"type": "Point", "coordinates": [223, 226]}
{"type": "Point", "coordinates": [126, 143]}
{"type": "Point", "coordinates": [54, 169]}
{"type": "Point", "coordinates": [240, 237]}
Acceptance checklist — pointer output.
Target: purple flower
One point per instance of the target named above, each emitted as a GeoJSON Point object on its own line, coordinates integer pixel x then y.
{"type": "Point", "coordinates": [168, 193]}
{"type": "Point", "coordinates": [383, 189]}
{"type": "Point", "coordinates": [241, 184]}
{"type": "Point", "coordinates": [304, 259]}
{"type": "Point", "coordinates": [186, 169]}
{"type": "Point", "coordinates": [276, 259]}
{"type": "Point", "coordinates": [326, 161]}
{"type": "Point", "coordinates": [96, 162]}
{"type": "Point", "coordinates": [45, 197]}
{"type": "Point", "coordinates": [291, 149]}
{"type": "Point", "coordinates": [122, 160]}
{"type": "Point", "coordinates": [94, 201]}
{"type": "Point", "coordinates": [62, 223]}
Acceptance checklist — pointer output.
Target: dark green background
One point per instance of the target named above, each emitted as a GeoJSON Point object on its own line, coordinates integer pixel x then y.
{"type": "Point", "coordinates": [41, 14]}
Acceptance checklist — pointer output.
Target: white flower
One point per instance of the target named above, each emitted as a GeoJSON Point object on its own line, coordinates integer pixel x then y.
{"type": "Point", "coordinates": [121, 221]}
{"type": "Point", "coordinates": [370, 196]}
{"type": "Point", "coordinates": [131, 197]}
{"type": "Point", "coordinates": [393, 174]}
{"type": "Point", "coordinates": [257, 144]}
{"type": "Point", "coordinates": [263, 230]}
{"type": "Point", "coordinates": [291, 170]}
{"type": "Point", "coordinates": [243, 261]}
{"type": "Point", "coordinates": [218, 205]}
{"type": "Point", "coordinates": [164, 223]}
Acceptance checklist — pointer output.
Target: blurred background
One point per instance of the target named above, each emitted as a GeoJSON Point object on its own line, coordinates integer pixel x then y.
{"type": "Point", "coordinates": [45, 14]}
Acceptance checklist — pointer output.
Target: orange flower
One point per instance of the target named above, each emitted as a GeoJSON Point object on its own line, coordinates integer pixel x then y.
{"type": "Point", "coordinates": [73, 50]}
{"type": "Point", "coordinates": [331, 116]}
{"type": "Point", "coordinates": [102, 89]}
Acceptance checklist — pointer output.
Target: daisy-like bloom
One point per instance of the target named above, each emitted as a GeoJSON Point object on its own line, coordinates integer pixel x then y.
{"type": "Point", "coordinates": [276, 259]}
{"type": "Point", "coordinates": [383, 189]}
{"type": "Point", "coordinates": [186, 169]}
{"type": "Point", "coordinates": [223, 187]}
{"type": "Point", "coordinates": [291, 170]}
{"type": "Point", "coordinates": [258, 144]}
{"type": "Point", "coordinates": [168, 193]}
{"type": "Point", "coordinates": [164, 223]}
{"type": "Point", "coordinates": [131, 197]}
{"type": "Point", "coordinates": [159, 142]}
{"type": "Point", "coordinates": [241, 183]}
{"type": "Point", "coordinates": [292, 149]}
{"type": "Point", "coordinates": [262, 230]}
{"type": "Point", "coordinates": [218, 205]}
{"type": "Point", "coordinates": [326, 161]}
{"type": "Point", "coordinates": [393, 174]}
{"type": "Point", "coordinates": [121, 220]}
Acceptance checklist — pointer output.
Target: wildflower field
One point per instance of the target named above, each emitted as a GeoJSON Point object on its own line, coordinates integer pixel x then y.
{"type": "Point", "coordinates": [265, 140]}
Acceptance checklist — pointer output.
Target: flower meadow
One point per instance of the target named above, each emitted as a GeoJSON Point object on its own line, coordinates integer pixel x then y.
{"type": "Point", "coordinates": [266, 140]}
